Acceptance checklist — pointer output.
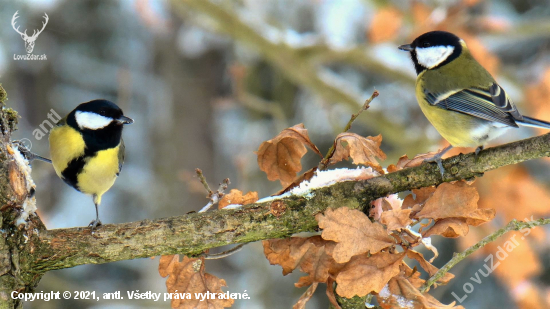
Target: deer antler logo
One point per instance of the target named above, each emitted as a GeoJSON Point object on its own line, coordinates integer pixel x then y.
{"type": "Point", "coordinates": [29, 40]}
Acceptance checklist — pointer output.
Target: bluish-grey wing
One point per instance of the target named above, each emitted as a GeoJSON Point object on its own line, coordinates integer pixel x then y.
{"type": "Point", "coordinates": [488, 104]}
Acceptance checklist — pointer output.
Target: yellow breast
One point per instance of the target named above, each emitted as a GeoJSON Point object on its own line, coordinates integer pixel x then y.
{"type": "Point", "coordinates": [66, 144]}
{"type": "Point", "coordinates": [99, 172]}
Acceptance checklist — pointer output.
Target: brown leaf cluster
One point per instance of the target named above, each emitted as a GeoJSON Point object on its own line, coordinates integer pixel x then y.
{"type": "Point", "coordinates": [365, 255]}
{"type": "Point", "coordinates": [236, 197]}
{"type": "Point", "coordinates": [362, 256]}
{"type": "Point", "coordinates": [188, 276]}
{"type": "Point", "coordinates": [280, 157]}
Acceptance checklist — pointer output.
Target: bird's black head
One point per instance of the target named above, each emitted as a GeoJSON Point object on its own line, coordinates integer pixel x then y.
{"type": "Point", "coordinates": [433, 49]}
{"type": "Point", "coordinates": [100, 122]}
{"type": "Point", "coordinates": [98, 114]}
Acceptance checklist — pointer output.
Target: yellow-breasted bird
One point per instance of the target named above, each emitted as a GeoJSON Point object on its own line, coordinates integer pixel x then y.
{"type": "Point", "coordinates": [87, 150]}
{"type": "Point", "coordinates": [458, 96]}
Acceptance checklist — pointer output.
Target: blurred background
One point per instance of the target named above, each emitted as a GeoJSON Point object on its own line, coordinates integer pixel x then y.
{"type": "Point", "coordinates": [207, 81]}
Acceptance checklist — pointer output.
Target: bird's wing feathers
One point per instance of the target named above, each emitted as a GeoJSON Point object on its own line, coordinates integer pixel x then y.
{"type": "Point", "coordinates": [121, 149]}
{"type": "Point", "coordinates": [491, 104]}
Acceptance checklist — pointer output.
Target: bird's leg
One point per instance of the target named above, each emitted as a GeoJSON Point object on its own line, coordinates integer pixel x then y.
{"type": "Point", "coordinates": [29, 155]}
{"type": "Point", "coordinates": [437, 159]}
{"type": "Point", "coordinates": [95, 223]}
{"type": "Point", "coordinates": [478, 150]}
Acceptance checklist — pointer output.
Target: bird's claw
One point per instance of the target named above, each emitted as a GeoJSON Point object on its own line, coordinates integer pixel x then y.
{"type": "Point", "coordinates": [94, 224]}
{"type": "Point", "coordinates": [25, 151]}
{"type": "Point", "coordinates": [437, 159]}
{"type": "Point", "coordinates": [476, 155]}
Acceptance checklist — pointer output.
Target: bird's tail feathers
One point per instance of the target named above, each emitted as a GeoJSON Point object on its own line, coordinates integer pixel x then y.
{"type": "Point", "coordinates": [532, 122]}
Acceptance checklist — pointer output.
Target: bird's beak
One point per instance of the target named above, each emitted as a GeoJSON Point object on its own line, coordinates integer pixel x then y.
{"type": "Point", "coordinates": [125, 120]}
{"type": "Point", "coordinates": [406, 47]}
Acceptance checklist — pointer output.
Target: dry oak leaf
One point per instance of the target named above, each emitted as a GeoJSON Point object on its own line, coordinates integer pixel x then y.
{"type": "Point", "coordinates": [188, 276]}
{"type": "Point", "coordinates": [382, 204]}
{"type": "Point", "coordinates": [236, 197]}
{"type": "Point", "coordinates": [330, 294]}
{"type": "Point", "coordinates": [363, 150]}
{"type": "Point", "coordinates": [450, 227]}
{"type": "Point", "coordinates": [396, 219]}
{"type": "Point", "coordinates": [301, 303]}
{"type": "Point", "coordinates": [401, 293]}
{"type": "Point", "coordinates": [417, 200]}
{"type": "Point", "coordinates": [354, 233]}
{"type": "Point", "coordinates": [280, 157]}
{"type": "Point", "coordinates": [385, 25]}
{"type": "Point", "coordinates": [428, 267]}
{"type": "Point", "coordinates": [413, 275]}
{"type": "Point", "coordinates": [310, 254]}
{"type": "Point", "coordinates": [365, 274]}
{"type": "Point", "coordinates": [405, 162]}
{"type": "Point", "coordinates": [458, 200]}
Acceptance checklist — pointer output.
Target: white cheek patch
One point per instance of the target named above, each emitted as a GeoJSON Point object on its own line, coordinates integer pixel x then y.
{"type": "Point", "coordinates": [92, 121]}
{"type": "Point", "coordinates": [430, 57]}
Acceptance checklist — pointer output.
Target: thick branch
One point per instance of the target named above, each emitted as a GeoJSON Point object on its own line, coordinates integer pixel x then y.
{"type": "Point", "coordinates": [193, 233]}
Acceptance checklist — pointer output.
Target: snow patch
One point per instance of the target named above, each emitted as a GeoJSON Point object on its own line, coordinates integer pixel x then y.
{"type": "Point", "coordinates": [323, 179]}
{"type": "Point", "coordinates": [233, 206]}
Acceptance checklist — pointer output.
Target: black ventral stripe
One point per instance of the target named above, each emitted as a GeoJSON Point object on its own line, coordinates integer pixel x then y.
{"type": "Point", "coordinates": [70, 173]}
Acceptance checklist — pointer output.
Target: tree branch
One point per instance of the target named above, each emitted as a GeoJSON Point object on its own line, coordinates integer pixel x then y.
{"type": "Point", "coordinates": [193, 233]}
{"type": "Point", "coordinates": [514, 225]}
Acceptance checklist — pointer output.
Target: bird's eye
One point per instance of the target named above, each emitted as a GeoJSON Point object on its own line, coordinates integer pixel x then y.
{"type": "Point", "coordinates": [426, 44]}
{"type": "Point", "coordinates": [102, 112]}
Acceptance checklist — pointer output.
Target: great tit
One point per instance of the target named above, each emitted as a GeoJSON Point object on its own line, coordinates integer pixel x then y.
{"type": "Point", "coordinates": [87, 150]}
{"type": "Point", "coordinates": [458, 96]}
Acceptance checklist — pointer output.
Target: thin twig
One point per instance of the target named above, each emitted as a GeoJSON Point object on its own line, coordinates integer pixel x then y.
{"type": "Point", "coordinates": [324, 163]}
{"type": "Point", "coordinates": [204, 182]}
{"type": "Point", "coordinates": [514, 225]}
{"type": "Point", "coordinates": [221, 255]}
{"type": "Point", "coordinates": [216, 196]}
